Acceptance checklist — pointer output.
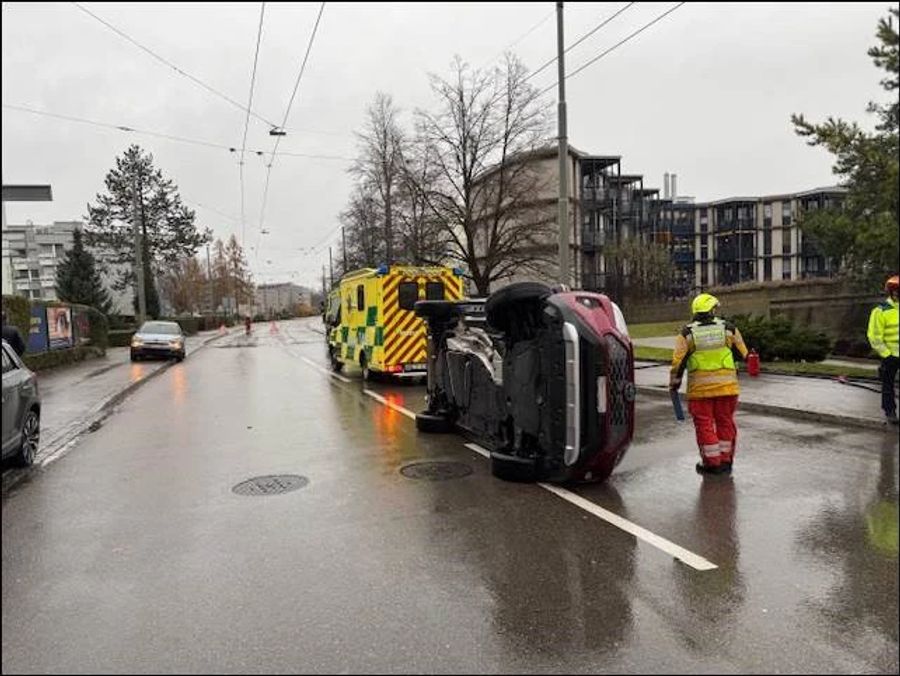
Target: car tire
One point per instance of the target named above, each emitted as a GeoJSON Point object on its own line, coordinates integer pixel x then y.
{"type": "Point", "coordinates": [433, 424]}
{"type": "Point", "coordinates": [510, 468]}
{"type": "Point", "coordinates": [180, 357]}
{"type": "Point", "coordinates": [31, 436]}
{"type": "Point", "coordinates": [501, 306]}
{"type": "Point", "coordinates": [135, 357]}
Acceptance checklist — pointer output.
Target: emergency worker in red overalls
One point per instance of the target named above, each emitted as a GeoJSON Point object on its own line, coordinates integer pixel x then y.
{"type": "Point", "coordinates": [704, 350]}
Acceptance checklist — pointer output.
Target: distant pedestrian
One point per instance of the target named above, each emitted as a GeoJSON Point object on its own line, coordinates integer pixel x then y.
{"type": "Point", "coordinates": [704, 350]}
{"type": "Point", "coordinates": [883, 337]}
{"type": "Point", "coordinates": [12, 336]}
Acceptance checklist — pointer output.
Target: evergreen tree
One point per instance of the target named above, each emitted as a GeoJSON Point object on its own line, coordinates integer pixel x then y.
{"type": "Point", "coordinates": [168, 231]}
{"type": "Point", "coordinates": [77, 279]}
{"type": "Point", "coordinates": [861, 236]}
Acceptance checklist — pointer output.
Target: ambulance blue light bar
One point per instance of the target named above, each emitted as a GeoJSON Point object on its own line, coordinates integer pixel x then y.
{"type": "Point", "coordinates": [383, 269]}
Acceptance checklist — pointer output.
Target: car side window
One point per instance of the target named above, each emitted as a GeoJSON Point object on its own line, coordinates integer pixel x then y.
{"type": "Point", "coordinates": [8, 363]}
{"type": "Point", "coordinates": [360, 298]}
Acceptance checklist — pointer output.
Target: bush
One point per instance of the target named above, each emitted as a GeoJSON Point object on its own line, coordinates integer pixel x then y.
{"type": "Point", "coordinates": [778, 338]}
{"type": "Point", "coordinates": [121, 337]}
{"type": "Point", "coordinates": [853, 347]}
{"type": "Point", "coordinates": [18, 314]}
{"type": "Point", "coordinates": [42, 361]}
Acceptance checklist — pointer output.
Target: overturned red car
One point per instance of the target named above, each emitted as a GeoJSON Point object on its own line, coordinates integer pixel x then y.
{"type": "Point", "coordinates": [543, 379]}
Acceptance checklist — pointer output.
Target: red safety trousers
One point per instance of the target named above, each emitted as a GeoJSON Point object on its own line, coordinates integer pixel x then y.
{"type": "Point", "coordinates": [716, 431]}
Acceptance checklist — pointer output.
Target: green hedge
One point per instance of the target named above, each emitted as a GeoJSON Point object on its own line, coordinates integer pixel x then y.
{"type": "Point", "coordinates": [779, 339]}
{"type": "Point", "coordinates": [45, 360]}
{"type": "Point", "coordinates": [18, 314]}
{"type": "Point", "coordinates": [190, 325]}
{"type": "Point", "coordinates": [121, 337]}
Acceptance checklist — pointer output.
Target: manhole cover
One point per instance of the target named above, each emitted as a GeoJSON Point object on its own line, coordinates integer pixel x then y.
{"type": "Point", "coordinates": [435, 471]}
{"type": "Point", "coordinates": [271, 485]}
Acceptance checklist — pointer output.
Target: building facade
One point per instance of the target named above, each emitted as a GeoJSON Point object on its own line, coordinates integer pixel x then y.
{"type": "Point", "coordinates": [31, 254]}
{"type": "Point", "coordinates": [714, 243]}
{"type": "Point", "coordinates": [272, 299]}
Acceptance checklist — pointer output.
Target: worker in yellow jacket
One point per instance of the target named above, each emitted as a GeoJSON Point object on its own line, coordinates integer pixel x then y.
{"type": "Point", "coordinates": [883, 337]}
{"type": "Point", "coordinates": [704, 350]}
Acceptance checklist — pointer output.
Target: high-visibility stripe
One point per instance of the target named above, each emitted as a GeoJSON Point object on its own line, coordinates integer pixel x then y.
{"type": "Point", "coordinates": [400, 347]}
{"type": "Point", "coordinates": [401, 324]}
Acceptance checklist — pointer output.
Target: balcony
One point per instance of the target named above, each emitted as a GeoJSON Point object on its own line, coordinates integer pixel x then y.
{"type": "Point", "coordinates": [683, 258]}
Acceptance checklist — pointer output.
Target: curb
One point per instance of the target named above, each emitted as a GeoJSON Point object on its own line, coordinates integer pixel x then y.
{"type": "Point", "coordinates": [97, 415]}
{"type": "Point", "coordinates": [786, 412]}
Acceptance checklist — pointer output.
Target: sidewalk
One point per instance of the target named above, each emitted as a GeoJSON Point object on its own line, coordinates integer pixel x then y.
{"type": "Point", "coordinates": [822, 399]}
{"type": "Point", "coordinates": [73, 398]}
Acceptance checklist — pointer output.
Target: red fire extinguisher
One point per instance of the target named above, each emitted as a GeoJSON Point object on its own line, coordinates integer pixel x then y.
{"type": "Point", "coordinates": [753, 364]}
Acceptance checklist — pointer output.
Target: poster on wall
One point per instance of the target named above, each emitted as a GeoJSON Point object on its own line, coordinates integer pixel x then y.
{"type": "Point", "coordinates": [82, 321]}
{"type": "Point", "coordinates": [37, 332]}
{"type": "Point", "coordinates": [59, 325]}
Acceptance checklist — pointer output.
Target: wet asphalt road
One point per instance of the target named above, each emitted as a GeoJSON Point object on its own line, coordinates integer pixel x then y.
{"type": "Point", "coordinates": [132, 553]}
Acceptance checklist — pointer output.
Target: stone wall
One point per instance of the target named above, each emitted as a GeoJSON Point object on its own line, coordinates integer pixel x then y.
{"type": "Point", "coordinates": [829, 305]}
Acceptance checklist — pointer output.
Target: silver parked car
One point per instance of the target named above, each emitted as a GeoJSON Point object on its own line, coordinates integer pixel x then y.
{"type": "Point", "coordinates": [21, 409]}
{"type": "Point", "coordinates": [158, 339]}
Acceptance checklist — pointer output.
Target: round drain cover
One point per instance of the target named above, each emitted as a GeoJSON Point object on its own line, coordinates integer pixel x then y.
{"type": "Point", "coordinates": [435, 471]}
{"type": "Point", "coordinates": [271, 485]}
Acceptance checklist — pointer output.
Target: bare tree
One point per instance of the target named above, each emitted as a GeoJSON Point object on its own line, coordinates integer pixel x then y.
{"type": "Point", "coordinates": [485, 189]}
{"type": "Point", "coordinates": [184, 284]}
{"type": "Point", "coordinates": [366, 247]}
{"type": "Point", "coordinates": [380, 161]}
{"type": "Point", "coordinates": [421, 237]}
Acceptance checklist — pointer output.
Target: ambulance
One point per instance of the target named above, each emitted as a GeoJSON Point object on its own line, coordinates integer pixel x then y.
{"type": "Point", "coordinates": [371, 323]}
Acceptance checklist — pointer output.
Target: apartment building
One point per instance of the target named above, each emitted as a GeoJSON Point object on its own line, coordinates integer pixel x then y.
{"type": "Point", "coordinates": [275, 298]}
{"type": "Point", "coordinates": [31, 254]}
{"type": "Point", "coordinates": [713, 243]}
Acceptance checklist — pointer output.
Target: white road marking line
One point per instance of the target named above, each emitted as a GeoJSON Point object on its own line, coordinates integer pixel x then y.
{"type": "Point", "coordinates": [680, 553]}
{"type": "Point", "coordinates": [389, 404]}
{"type": "Point", "coordinates": [343, 379]}
{"type": "Point", "coordinates": [478, 449]}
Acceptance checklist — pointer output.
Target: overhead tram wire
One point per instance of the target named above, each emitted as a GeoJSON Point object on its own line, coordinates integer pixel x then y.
{"type": "Point", "coordinates": [614, 47]}
{"type": "Point", "coordinates": [580, 40]}
{"type": "Point", "coordinates": [287, 112]}
{"type": "Point", "coordinates": [171, 65]}
{"type": "Point", "coordinates": [170, 137]}
{"type": "Point", "coordinates": [262, 11]}
{"type": "Point", "coordinates": [521, 37]}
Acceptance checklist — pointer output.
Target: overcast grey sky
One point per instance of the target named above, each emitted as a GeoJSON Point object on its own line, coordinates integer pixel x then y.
{"type": "Point", "coordinates": [706, 93]}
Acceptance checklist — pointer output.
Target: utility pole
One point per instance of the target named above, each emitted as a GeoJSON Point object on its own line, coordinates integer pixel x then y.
{"type": "Point", "coordinates": [344, 247]}
{"type": "Point", "coordinates": [324, 288]}
{"type": "Point", "coordinates": [563, 211]}
{"type": "Point", "coordinates": [330, 267]}
{"type": "Point", "coordinates": [209, 282]}
{"type": "Point", "coordinates": [138, 256]}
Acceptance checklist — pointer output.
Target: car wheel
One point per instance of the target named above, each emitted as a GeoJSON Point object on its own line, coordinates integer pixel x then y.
{"type": "Point", "coordinates": [180, 357]}
{"type": "Point", "coordinates": [31, 434]}
{"type": "Point", "coordinates": [433, 424]}
{"type": "Point", "coordinates": [511, 468]}
{"type": "Point", "coordinates": [135, 357]}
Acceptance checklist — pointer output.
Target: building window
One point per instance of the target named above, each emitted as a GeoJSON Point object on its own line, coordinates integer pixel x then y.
{"type": "Point", "coordinates": [704, 250]}
{"type": "Point", "coordinates": [785, 268]}
{"type": "Point", "coordinates": [704, 275]}
{"type": "Point", "coordinates": [704, 223]}
{"type": "Point", "coordinates": [767, 269]}
{"type": "Point", "coordinates": [767, 215]}
{"type": "Point", "coordinates": [786, 242]}
{"type": "Point", "coordinates": [785, 213]}
{"type": "Point", "coordinates": [767, 243]}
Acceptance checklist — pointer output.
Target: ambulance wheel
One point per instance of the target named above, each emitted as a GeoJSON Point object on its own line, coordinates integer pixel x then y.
{"type": "Point", "coordinates": [433, 424]}
{"type": "Point", "coordinates": [336, 364]}
{"type": "Point", "coordinates": [367, 373]}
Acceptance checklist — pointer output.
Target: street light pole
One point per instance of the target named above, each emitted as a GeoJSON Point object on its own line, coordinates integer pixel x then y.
{"type": "Point", "coordinates": [563, 210]}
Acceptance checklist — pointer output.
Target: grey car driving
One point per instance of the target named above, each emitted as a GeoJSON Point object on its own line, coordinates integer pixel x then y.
{"type": "Point", "coordinates": [158, 339]}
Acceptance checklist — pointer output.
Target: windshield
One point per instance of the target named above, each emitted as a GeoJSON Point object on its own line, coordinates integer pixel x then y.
{"type": "Point", "coordinates": [164, 328]}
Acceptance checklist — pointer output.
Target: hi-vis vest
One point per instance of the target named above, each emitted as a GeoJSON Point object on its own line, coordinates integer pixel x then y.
{"type": "Point", "coordinates": [883, 330]}
{"type": "Point", "coordinates": [703, 349]}
{"type": "Point", "coordinates": [711, 349]}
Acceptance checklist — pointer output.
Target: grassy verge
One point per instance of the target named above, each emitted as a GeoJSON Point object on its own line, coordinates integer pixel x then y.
{"type": "Point", "coordinates": [655, 330]}
{"type": "Point", "coordinates": [662, 354]}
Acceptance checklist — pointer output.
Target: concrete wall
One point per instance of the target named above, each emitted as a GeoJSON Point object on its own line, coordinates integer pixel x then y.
{"type": "Point", "coordinates": [828, 305]}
